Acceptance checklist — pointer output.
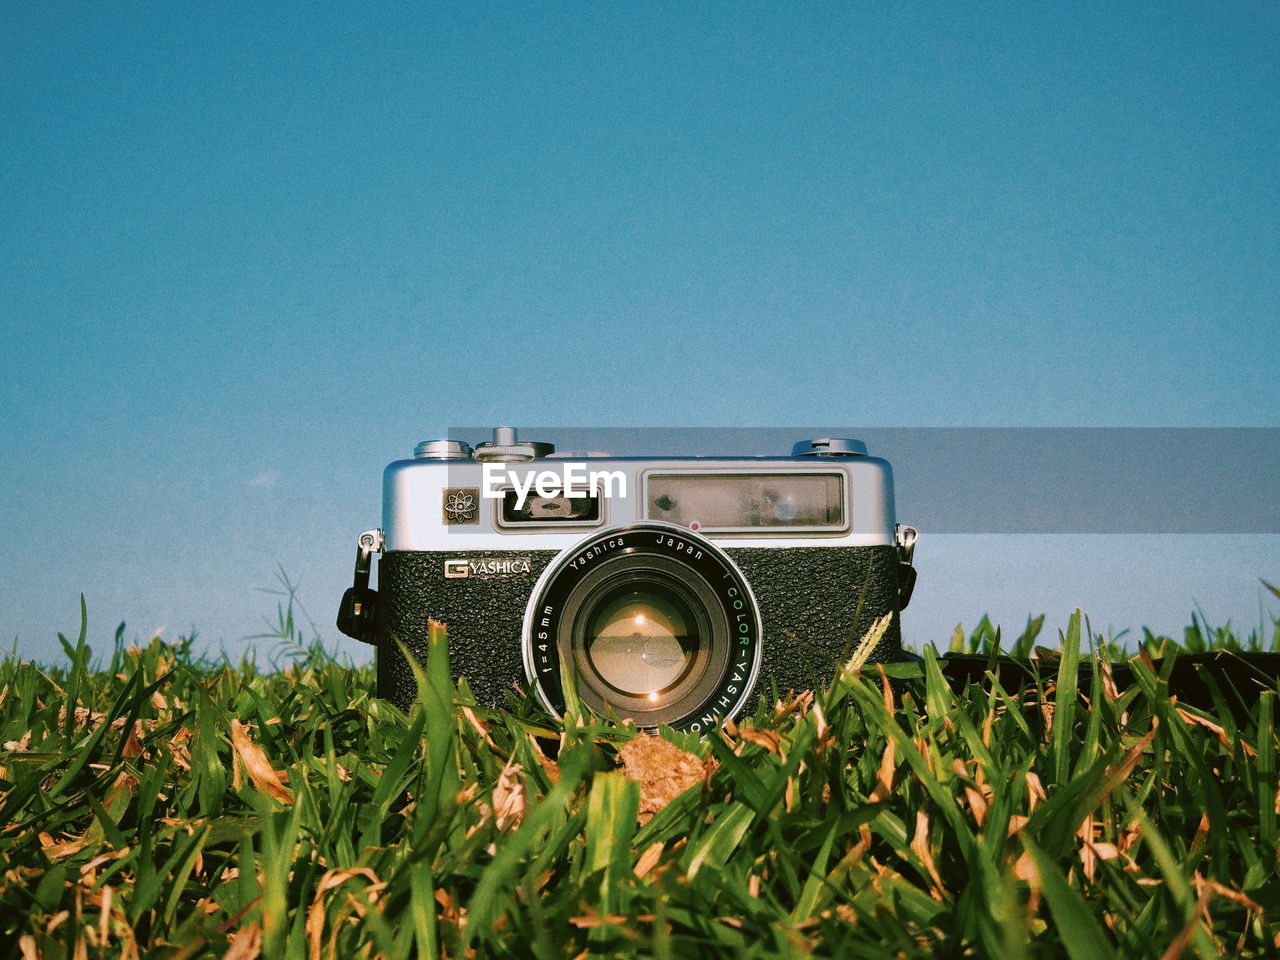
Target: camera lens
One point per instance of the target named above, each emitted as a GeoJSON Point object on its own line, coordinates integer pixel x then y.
{"type": "Point", "coordinates": [641, 639]}
{"type": "Point", "coordinates": [646, 637]}
{"type": "Point", "coordinates": [657, 627]}
{"type": "Point", "coordinates": [645, 643]}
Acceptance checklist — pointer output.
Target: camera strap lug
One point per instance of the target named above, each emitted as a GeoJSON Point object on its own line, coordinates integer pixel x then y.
{"type": "Point", "coordinates": [904, 538]}
{"type": "Point", "coordinates": [358, 612]}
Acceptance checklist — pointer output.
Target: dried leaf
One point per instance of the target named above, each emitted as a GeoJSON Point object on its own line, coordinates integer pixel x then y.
{"type": "Point", "coordinates": [662, 769]}
{"type": "Point", "coordinates": [315, 926]}
{"type": "Point", "coordinates": [591, 920]}
{"type": "Point", "coordinates": [246, 943]}
{"type": "Point", "coordinates": [1109, 688]}
{"type": "Point", "coordinates": [508, 798]}
{"type": "Point", "coordinates": [58, 850]}
{"type": "Point", "coordinates": [859, 849]}
{"type": "Point", "coordinates": [21, 745]}
{"type": "Point", "coordinates": [335, 878]}
{"type": "Point", "coordinates": [920, 847]}
{"type": "Point", "coordinates": [1235, 896]}
{"type": "Point", "coordinates": [549, 766]}
{"type": "Point", "coordinates": [1180, 942]}
{"type": "Point", "coordinates": [256, 763]}
{"type": "Point", "coordinates": [886, 690]}
{"type": "Point", "coordinates": [1105, 851]}
{"type": "Point", "coordinates": [57, 920]}
{"type": "Point", "coordinates": [820, 723]}
{"type": "Point", "coordinates": [884, 776]}
{"type": "Point", "coordinates": [178, 747]}
{"type": "Point", "coordinates": [88, 870]}
{"type": "Point", "coordinates": [1035, 791]}
{"type": "Point", "coordinates": [649, 859]}
{"type": "Point", "coordinates": [1088, 858]}
{"type": "Point", "coordinates": [1131, 835]}
{"type": "Point", "coordinates": [478, 725]}
{"type": "Point", "coordinates": [448, 911]}
{"type": "Point", "coordinates": [331, 879]}
{"type": "Point", "coordinates": [762, 738]}
{"type": "Point", "coordinates": [1025, 870]}
{"type": "Point", "coordinates": [977, 804]}
{"type": "Point", "coordinates": [132, 743]}
{"type": "Point", "coordinates": [1217, 728]}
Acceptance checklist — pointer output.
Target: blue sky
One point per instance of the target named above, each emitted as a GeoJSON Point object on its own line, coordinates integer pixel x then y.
{"type": "Point", "coordinates": [248, 256]}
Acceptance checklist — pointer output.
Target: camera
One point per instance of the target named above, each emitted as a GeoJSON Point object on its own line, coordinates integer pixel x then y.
{"type": "Point", "coordinates": [667, 590]}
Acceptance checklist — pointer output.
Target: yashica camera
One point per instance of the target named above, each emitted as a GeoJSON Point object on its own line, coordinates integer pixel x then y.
{"type": "Point", "coordinates": [670, 590]}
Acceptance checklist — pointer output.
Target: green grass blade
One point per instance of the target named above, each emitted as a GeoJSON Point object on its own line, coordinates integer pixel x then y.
{"type": "Point", "coordinates": [1082, 936]}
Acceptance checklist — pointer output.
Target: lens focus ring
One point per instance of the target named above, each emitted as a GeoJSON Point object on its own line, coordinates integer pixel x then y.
{"type": "Point", "coordinates": [656, 624]}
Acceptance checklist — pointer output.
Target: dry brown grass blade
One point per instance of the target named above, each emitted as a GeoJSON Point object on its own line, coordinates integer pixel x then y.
{"type": "Point", "coordinates": [246, 943]}
{"type": "Point", "coordinates": [761, 738]}
{"type": "Point", "coordinates": [977, 805]}
{"type": "Point", "coordinates": [884, 776]}
{"type": "Point", "coordinates": [1215, 728]}
{"type": "Point", "coordinates": [316, 912]}
{"type": "Point", "coordinates": [255, 761]}
{"type": "Point", "coordinates": [649, 859]}
{"type": "Point", "coordinates": [920, 847]}
{"type": "Point", "coordinates": [1119, 772]}
{"type": "Point", "coordinates": [1035, 791]}
{"type": "Point", "coordinates": [1235, 896]}
{"type": "Point", "coordinates": [1183, 939]}
{"type": "Point", "coordinates": [509, 802]}
{"type": "Point", "coordinates": [132, 743]}
{"type": "Point", "coordinates": [1088, 855]}
{"type": "Point", "coordinates": [60, 850]}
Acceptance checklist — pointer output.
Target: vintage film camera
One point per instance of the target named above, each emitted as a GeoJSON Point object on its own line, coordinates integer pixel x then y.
{"type": "Point", "coordinates": [675, 589]}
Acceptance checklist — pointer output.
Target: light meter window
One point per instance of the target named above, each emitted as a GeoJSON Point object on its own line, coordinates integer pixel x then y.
{"type": "Point", "coordinates": [734, 502]}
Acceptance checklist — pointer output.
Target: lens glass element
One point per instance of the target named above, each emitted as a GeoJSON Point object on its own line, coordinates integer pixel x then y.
{"type": "Point", "coordinates": [641, 638]}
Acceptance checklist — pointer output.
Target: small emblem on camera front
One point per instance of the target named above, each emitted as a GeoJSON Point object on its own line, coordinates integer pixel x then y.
{"type": "Point", "coordinates": [461, 505]}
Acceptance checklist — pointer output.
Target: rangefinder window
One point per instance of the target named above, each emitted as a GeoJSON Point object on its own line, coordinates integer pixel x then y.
{"type": "Point", "coordinates": [801, 502]}
{"type": "Point", "coordinates": [548, 511]}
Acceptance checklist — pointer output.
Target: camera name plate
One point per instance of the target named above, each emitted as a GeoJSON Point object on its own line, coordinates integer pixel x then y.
{"type": "Point", "coordinates": [481, 568]}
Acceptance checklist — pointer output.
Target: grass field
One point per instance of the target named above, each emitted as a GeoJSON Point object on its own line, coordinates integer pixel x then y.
{"type": "Point", "coordinates": [162, 806]}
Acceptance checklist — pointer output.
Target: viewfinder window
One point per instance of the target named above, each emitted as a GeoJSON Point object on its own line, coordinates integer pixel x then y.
{"type": "Point", "coordinates": [549, 510]}
{"type": "Point", "coordinates": [743, 502]}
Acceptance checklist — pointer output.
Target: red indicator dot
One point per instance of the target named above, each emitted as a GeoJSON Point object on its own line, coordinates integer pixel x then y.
{"type": "Point", "coordinates": [694, 525]}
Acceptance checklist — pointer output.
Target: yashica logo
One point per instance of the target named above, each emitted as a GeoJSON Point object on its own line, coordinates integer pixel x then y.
{"type": "Point", "coordinates": [573, 480]}
{"type": "Point", "coordinates": [482, 567]}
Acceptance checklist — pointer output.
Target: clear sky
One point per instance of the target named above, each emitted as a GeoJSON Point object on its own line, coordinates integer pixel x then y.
{"type": "Point", "coordinates": [250, 253]}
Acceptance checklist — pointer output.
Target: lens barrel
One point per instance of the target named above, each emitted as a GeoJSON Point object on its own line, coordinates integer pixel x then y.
{"type": "Point", "coordinates": [654, 623]}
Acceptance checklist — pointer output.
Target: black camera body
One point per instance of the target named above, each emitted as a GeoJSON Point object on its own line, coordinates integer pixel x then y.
{"type": "Point", "coordinates": [671, 591]}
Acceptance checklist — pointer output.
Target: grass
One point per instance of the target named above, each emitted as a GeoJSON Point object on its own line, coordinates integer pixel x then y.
{"type": "Point", "coordinates": [164, 806]}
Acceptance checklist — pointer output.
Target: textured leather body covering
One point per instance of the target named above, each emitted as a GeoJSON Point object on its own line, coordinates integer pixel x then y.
{"type": "Point", "coordinates": [807, 598]}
